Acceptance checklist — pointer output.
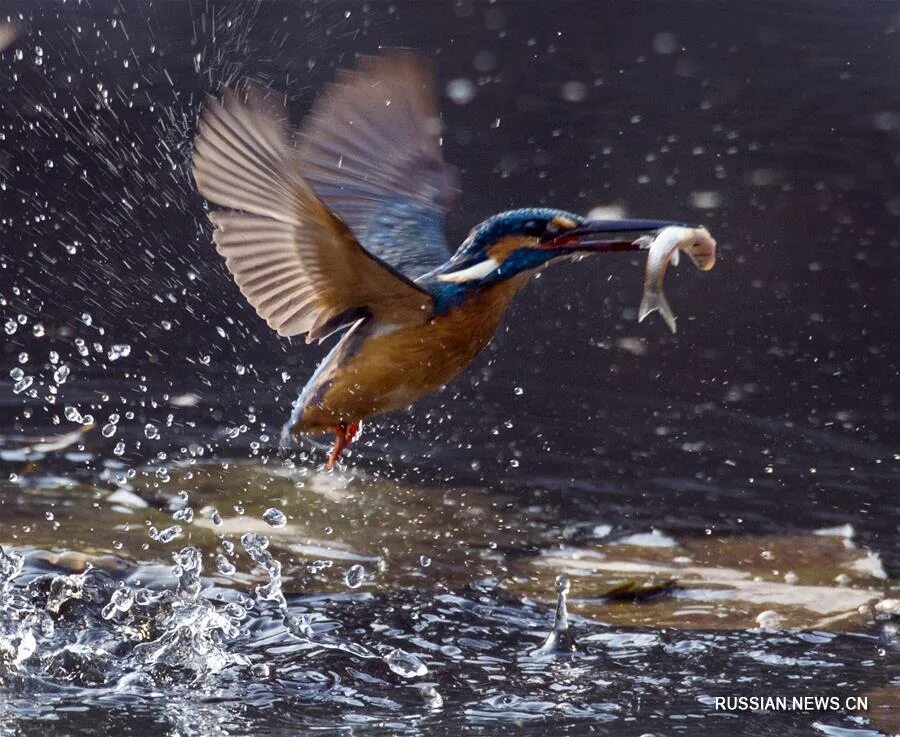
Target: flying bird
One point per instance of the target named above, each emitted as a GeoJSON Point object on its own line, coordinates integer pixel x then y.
{"type": "Point", "coordinates": [338, 228]}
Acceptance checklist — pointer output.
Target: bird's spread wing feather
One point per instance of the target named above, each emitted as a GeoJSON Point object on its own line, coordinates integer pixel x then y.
{"type": "Point", "coordinates": [370, 149]}
{"type": "Point", "coordinates": [293, 259]}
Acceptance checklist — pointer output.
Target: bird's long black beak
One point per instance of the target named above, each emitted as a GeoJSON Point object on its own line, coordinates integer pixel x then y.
{"type": "Point", "coordinates": [592, 236]}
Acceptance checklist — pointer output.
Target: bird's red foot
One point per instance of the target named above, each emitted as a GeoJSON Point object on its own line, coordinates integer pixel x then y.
{"type": "Point", "coordinates": [343, 436]}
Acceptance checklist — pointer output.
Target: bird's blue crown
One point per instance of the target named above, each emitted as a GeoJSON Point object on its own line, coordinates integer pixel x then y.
{"type": "Point", "coordinates": [527, 221]}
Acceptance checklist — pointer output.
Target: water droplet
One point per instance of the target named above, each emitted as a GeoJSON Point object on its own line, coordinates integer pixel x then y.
{"type": "Point", "coordinates": [72, 414]}
{"type": "Point", "coordinates": [665, 43]}
{"type": "Point", "coordinates": [151, 431]}
{"type": "Point", "coordinates": [424, 561]}
{"type": "Point", "coordinates": [22, 384]}
{"type": "Point", "coordinates": [274, 517]}
{"type": "Point", "coordinates": [260, 670]}
{"type": "Point", "coordinates": [224, 566]}
{"type": "Point", "coordinates": [461, 90]}
{"type": "Point", "coordinates": [121, 601]}
{"type": "Point", "coordinates": [706, 200]}
{"type": "Point", "coordinates": [573, 91]}
{"type": "Point", "coordinates": [169, 534]}
{"type": "Point", "coordinates": [61, 374]}
{"type": "Point", "coordinates": [118, 350]}
{"type": "Point", "coordinates": [405, 664]}
{"type": "Point", "coordinates": [120, 448]}
{"type": "Point", "coordinates": [355, 576]}
{"type": "Point", "coordinates": [433, 700]}
{"type": "Point", "coordinates": [184, 515]}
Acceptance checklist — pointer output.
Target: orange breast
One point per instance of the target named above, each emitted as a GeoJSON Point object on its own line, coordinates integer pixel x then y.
{"type": "Point", "coordinates": [390, 371]}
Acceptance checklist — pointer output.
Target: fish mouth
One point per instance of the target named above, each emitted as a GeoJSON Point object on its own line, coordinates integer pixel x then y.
{"type": "Point", "coordinates": [701, 248]}
{"type": "Point", "coordinates": [596, 236]}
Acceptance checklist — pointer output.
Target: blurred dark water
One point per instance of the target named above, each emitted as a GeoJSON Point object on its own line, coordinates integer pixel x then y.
{"type": "Point", "coordinates": [773, 411]}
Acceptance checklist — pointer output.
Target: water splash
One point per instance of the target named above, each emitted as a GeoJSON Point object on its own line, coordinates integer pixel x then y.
{"type": "Point", "coordinates": [560, 639]}
{"type": "Point", "coordinates": [120, 602]}
{"type": "Point", "coordinates": [192, 632]}
{"type": "Point", "coordinates": [257, 547]}
{"type": "Point", "coordinates": [17, 640]}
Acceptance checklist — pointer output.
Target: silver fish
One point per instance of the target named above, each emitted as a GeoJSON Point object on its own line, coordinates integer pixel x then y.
{"type": "Point", "coordinates": [697, 243]}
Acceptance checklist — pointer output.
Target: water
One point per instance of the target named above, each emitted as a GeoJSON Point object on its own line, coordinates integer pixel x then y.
{"type": "Point", "coordinates": [599, 528]}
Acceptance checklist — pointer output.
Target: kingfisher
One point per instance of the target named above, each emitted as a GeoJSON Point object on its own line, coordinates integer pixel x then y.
{"type": "Point", "coordinates": [337, 227]}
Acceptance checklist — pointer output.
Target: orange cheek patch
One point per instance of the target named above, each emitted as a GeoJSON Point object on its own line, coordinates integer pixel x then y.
{"type": "Point", "coordinates": [506, 245]}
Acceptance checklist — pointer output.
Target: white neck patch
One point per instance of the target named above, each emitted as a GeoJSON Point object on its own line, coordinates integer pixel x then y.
{"type": "Point", "coordinates": [473, 273]}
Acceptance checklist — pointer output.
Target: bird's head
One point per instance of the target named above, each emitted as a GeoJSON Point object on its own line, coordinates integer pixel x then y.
{"type": "Point", "coordinates": [521, 241]}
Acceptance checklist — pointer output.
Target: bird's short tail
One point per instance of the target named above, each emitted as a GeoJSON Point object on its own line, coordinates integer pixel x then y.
{"type": "Point", "coordinates": [290, 430]}
{"type": "Point", "coordinates": [656, 302]}
{"type": "Point", "coordinates": [291, 437]}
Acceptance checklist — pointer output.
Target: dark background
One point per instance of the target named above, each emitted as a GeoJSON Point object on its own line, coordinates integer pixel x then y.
{"type": "Point", "coordinates": [775, 406]}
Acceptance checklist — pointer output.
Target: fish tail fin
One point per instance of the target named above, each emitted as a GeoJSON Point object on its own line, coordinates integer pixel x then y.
{"type": "Point", "coordinates": [657, 302]}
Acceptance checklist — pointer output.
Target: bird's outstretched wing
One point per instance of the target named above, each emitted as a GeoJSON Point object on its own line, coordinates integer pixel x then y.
{"type": "Point", "coordinates": [370, 149]}
{"type": "Point", "coordinates": [297, 264]}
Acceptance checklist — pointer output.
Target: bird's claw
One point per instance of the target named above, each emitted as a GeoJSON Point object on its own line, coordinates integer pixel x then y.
{"type": "Point", "coordinates": [344, 434]}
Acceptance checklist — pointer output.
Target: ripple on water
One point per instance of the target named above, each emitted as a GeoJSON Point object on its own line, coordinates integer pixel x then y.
{"type": "Point", "coordinates": [255, 617]}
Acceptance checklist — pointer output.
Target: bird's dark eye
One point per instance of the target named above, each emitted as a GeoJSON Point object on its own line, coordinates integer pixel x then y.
{"type": "Point", "coordinates": [534, 227]}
